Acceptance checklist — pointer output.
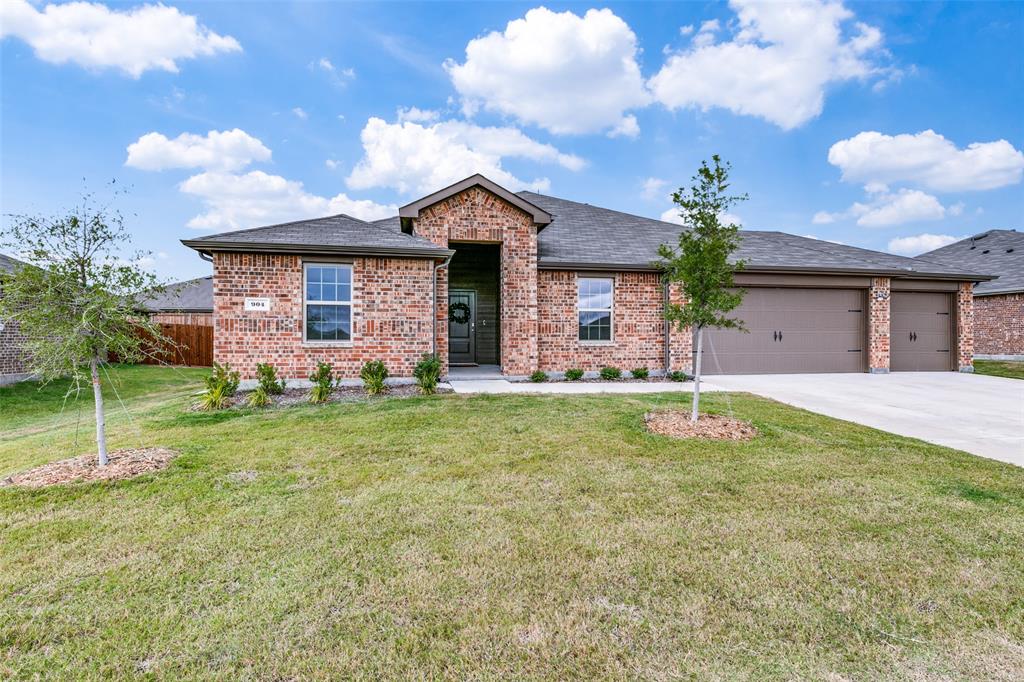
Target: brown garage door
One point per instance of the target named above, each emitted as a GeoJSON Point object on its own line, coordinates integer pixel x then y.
{"type": "Point", "coordinates": [922, 332]}
{"type": "Point", "coordinates": [792, 331]}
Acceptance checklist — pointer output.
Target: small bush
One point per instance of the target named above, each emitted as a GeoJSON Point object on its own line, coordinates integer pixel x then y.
{"type": "Point", "coordinates": [374, 374]}
{"type": "Point", "coordinates": [259, 397]}
{"type": "Point", "coordinates": [323, 382]}
{"type": "Point", "coordinates": [220, 385]}
{"type": "Point", "coordinates": [428, 373]}
{"type": "Point", "coordinates": [611, 373]}
{"type": "Point", "coordinates": [640, 373]}
{"type": "Point", "coordinates": [266, 374]}
{"type": "Point", "coordinates": [574, 374]}
{"type": "Point", "coordinates": [677, 376]}
{"type": "Point", "coordinates": [539, 377]}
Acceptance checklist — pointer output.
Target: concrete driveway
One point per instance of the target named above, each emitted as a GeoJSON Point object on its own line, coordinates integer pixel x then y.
{"type": "Point", "coordinates": [982, 415]}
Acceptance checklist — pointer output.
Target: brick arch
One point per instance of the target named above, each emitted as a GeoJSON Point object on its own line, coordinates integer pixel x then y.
{"type": "Point", "coordinates": [477, 215]}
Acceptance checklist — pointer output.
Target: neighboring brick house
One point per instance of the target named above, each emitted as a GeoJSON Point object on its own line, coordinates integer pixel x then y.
{"type": "Point", "coordinates": [188, 302]}
{"type": "Point", "coordinates": [998, 304]}
{"type": "Point", "coordinates": [523, 281]}
{"type": "Point", "coordinates": [13, 358]}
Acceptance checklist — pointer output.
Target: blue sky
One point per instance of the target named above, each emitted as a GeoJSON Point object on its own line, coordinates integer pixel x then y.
{"type": "Point", "coordinates": [893, 126]}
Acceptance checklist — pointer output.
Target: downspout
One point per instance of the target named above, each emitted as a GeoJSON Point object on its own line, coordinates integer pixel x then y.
{"type": "Point", "coordinates": [205, 256]}
{"type": "Point", "coordinates": [433, 335]}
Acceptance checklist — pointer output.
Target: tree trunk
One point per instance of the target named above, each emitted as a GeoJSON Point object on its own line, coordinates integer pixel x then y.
{"type": "Point", "coordinates": [97, 394]}
{"type": "Point", "coordinates": [696, 374]}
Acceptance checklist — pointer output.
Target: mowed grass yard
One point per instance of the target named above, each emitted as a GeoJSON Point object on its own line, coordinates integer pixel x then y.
{"type": "Point", "coordinates": [502, 536]}
{"type": "Point", "coordinates": [1000, 368]}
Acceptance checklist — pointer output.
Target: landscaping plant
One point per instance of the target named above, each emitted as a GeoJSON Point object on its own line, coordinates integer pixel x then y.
{"type": "Point", "coordinates": [374, 374]}
{"type": "Point", "coordinates": [700, 262]}
{"type": "Point", "coordinates": [77, 300]}
{"type": "Point", "coordinates": [323, 382]}
{"type": "Point", "coordinates": [259, 397]}
{"type": "Point", "coordinates": [428, 373]}
{"type": "Point", "coordinates": [611, 373]}
{"type": "Point", "coordinates": [640, 373]}
{"type": "Point", "coordinates": [266, 375]}
{"type": "Point", "coordinates": [221, 384]}
{"type": "Point", "coordinates": [574, 374]}
{"type": "Point", "coordinates": [677, 376]}
{"type": "Point", "coordinates": [539, 377]}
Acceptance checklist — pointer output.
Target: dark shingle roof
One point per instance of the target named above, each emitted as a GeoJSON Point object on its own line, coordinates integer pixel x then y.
{"type": "Point", "coordinates": [999, 252]}
{"type": "Point", "coordinates": [8, 264]}
{"type": "Point", "coordinates": [581, 234]}
{"type": "Point", "coordinates": [338, 233]}
{"type": "Point", "coordinates": [194, 295]}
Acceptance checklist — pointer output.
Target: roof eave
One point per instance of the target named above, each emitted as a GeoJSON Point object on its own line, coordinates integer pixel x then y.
{"type": "Point", "coordinates": [650, 267]}
{"type": "Point", "coordinates": [209, 246]}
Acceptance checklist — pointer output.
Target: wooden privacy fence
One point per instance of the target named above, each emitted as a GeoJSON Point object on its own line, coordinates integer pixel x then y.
{"type": "Point", "coordinates": [192, 345]}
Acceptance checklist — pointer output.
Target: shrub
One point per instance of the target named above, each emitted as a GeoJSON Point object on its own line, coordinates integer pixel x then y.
{"type": "Point", "coordinates": [640, 373]}
{"type": "Point", "coordinates": [266, 374]}
{"type": "Point", "coordinates": [677, 376]}
{"type": "Point", "coordinates": [539, 377]}
{"type": "Point", "coordinates": [323, 382]}
{"type": "Point", "coordinates": [574, 374]}
{"type": "Point", "coordinates": [259, 397]}
{"type": "Point", "coordinates": [428, 373]}
{"type": "Point", "coordinates": [373, 374]}
{"type": "Point", "coordinates": [220, 385]}
{"type": "Point", "coordinates": [611, 373]}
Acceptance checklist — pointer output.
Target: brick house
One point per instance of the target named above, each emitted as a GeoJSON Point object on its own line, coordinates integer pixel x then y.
{"type": "Point", "coordinates": [998, 304]}
{"type": "Point", "coordinates": [522, 281]}
{"type": "Point", "coordinates": [13, 359]}
{"type": "Point", "coordinates": [188, 302]}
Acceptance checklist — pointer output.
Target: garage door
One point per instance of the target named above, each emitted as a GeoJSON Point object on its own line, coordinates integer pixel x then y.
{"type": "Point", "coordinates": [792, 331]}
{"type": "Point", "coordinates": [922, 332]}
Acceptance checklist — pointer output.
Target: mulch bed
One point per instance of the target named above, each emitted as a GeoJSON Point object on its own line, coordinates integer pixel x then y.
{"type": "Point", "coordinates": [677, 424]}
{"type": "Point", "coordinates": [121, 464]}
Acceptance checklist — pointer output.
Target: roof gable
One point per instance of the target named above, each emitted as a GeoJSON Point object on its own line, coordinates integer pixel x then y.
{"type": "Point", "coordinates": [539, 215]}
{"type": "Point", "coordinates": [998, 252]}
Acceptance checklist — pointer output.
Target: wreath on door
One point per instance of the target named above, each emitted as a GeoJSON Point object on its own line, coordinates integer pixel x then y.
{"type": "Point", "coordinates": [458, 312]}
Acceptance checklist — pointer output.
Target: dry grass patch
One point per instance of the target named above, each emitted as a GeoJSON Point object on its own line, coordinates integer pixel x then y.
{"type": "Point", "coordinates": [677, 424]}
{"type": "Point", "coordinates": [121, 464]}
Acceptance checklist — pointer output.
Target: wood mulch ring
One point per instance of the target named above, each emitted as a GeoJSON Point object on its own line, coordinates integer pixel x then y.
{"type": "Point", "coordinates": [677, 424]}
{"type": "Point", "coordinates": [121, 464]}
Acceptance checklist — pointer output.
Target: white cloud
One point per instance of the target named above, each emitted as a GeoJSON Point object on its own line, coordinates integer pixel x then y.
{"type": "Point", "coordinates": [927, 160]}
{"type": "Point", "coordinates": [560, 71]}
{"type": "Point", "coordinates": [235, 201]}
{"type": "Point", "coordinates": [149, 37]}
{"type": "Point", "coordinates": [627, 127]}
{"type": "Point", "coordinates": [300, 112]}
{"type": "Point", "coordinates": [706, 35]}
{"type": "Point", "coordinates": [411, 157]}
{"type": "Point", "coordinates": [218, 150]}
{"type": "Point", "coordinates": [331, 163]}
{"type": "Point", "coordinates": [921, 243]}
{"type": "Point", "coordinates": [654, 188]}
{"type": "Point", "coordinates": [417, 115]}
{"type": "Point", "coordinates": [885, 209]}
{"type": "Point", "coordinates": [326, 64]}
{"type": "Point", "coordinates": [339, 77]}
{"type": "Point", "coordinates": [686, 30]}
{"type": "Point", "coordinates": [777, 65]}
{"type": "Point", "coordinates": [672, 216]}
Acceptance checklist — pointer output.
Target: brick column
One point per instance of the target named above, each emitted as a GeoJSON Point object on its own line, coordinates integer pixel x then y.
{"type": "Point", "coordinates": [680, 342]}
{"type": "Point", "coordinates": [878, 325]}
{"type": "Point", "coordinates": [965, 327]}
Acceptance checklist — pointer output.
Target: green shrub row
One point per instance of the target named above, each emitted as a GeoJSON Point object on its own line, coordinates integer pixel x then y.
{"type": "Point", "coordinates": [606, 373]}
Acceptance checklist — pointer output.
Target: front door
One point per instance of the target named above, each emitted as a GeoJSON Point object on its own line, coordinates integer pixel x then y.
{"type": "Point", "coordinates": [461, 327]}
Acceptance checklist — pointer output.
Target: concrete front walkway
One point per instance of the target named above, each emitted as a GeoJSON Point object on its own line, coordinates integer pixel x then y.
{"type": "Point", "coordinates": [982, 415]}
{"type": "Point", "coordinates": [504, 386]}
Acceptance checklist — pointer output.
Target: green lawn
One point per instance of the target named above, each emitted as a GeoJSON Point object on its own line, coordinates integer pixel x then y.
{"type": "Point", "coordinates": [504, 536]}
{"type": "Point", "coordinates": [999, 368]}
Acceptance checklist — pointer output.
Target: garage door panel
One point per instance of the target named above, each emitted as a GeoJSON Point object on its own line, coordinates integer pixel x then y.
{"type": "Point", "coordinates": [921, 332]}
{"type": "Point", "coordinates": [790, 331]}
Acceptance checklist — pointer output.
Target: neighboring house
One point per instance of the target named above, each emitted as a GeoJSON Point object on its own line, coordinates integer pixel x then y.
{"type": "Point", "coordinates": [13, 358]}
{"type": "Point", "coordinates": [481, 275]}
{"type": "Point", "coordinates": [189, 302]}
{"type": "Point", "coordinates": [998, 304]}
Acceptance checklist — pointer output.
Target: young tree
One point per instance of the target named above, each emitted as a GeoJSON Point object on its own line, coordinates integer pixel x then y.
{"type": "Point", "coordinates": [76, 301]}
{"type": "Point", "coordinates": [700, 263]}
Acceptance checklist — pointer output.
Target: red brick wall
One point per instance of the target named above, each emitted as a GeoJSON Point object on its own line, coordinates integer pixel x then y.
{"type": "Point", "coordinates": [13, 360]}
{"type": "Point", "coordinates": [390, 315]}
{"type": "Point", "coordinates": [999, 324]}
{"type": "Point", "coordinates": [638, 327]}
{"type": "Point", "coordinates": [879, 296]}
{"type": "Point", "coordinates": [476, 215]}
{"type": "Point", "coordinates": [965, 326]}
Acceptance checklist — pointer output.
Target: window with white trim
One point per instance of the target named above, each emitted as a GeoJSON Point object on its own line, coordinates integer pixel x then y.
{"type": "Point", "coordinates": [328, 302]}
{"type": "Point", "coordinates": [594, 301]}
